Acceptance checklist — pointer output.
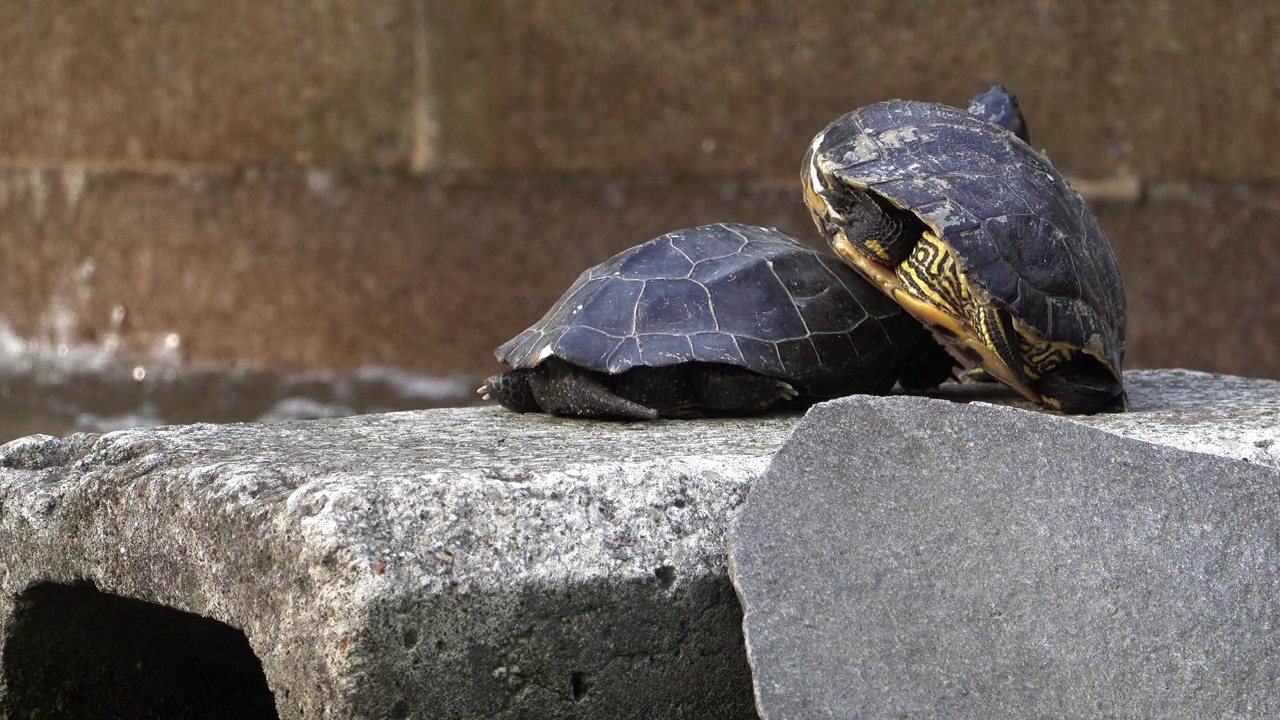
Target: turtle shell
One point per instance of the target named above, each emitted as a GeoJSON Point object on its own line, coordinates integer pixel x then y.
{"type": "Point", "coordinates": [1023, 237]}
{"type": "Point", "coordinates": [740, 295]}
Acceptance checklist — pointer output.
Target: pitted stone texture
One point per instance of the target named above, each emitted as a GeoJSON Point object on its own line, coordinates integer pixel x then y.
{"type": "Point", "coordinates": [1224, 415]}
{"type": "Point", "coordinates": [452, 563]}
{"type": "Point", "coordinates": [908, 557]}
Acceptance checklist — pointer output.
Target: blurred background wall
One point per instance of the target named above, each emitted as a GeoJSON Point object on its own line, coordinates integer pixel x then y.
{"type": "Point", "coordinates": [335, 183]}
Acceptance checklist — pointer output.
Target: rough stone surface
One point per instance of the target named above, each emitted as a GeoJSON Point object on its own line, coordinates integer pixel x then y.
{"type": "Point", "coordinates": [908, 557]}
{"type": "Point", "coordinates": [324, 271]}
{"type": "Point", "coordinates": [1233, 417]}
{"type": "Point", "coordinates": [1224, 415]}
{"type": "Point", "coordinates": [451, 563]}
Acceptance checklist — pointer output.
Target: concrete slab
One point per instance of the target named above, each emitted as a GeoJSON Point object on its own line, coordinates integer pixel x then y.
{"type": "Point", "coordinates": [443, 564]}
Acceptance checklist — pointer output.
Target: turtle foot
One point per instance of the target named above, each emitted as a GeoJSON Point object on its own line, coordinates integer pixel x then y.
{"type": "Point", "coordinates": [733, 390]}
{"type": "Point", "coordinates": [511, 390]}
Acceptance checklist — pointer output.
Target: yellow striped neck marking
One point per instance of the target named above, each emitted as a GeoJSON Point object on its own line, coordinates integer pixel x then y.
{"type": "Point", "coordinates": [934, 305]}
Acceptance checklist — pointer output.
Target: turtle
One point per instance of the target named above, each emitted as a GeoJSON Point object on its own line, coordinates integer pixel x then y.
{"type": "Point", "coordinates": [953, 214]}
{"type": "Point", "coordinates": [723, 319]}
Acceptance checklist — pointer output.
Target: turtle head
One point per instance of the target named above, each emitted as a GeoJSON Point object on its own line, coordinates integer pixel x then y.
{"type": "Point", "coordinates": [1083, 385]}
{"type": "Point", "coordinates": [1000, 106]}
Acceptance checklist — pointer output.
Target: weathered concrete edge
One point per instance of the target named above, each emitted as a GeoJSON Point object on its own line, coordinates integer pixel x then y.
{"type": "Point", "coordinates": [305, 521]}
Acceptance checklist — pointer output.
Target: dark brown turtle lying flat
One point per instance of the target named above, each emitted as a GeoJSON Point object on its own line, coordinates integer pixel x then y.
{"type": "Point", "coordinates": [976, 234]}
{"type": "Point", "coordinates": [718, 319]}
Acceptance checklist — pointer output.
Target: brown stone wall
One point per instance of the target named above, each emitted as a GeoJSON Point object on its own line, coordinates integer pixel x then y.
{"type": "Point", "coordinates": [159, 84]}
{"type": "Point", "coordinates": [330, 183]}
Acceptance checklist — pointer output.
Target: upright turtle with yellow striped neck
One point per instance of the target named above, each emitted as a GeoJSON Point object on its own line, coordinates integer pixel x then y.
{"type": "Point", "coordinates": [976, 234]}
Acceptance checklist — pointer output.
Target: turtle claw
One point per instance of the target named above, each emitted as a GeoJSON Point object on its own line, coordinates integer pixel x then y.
{"type": "Point", "coordinates": [511, 390]}
{"type": "Point", "coordinates": [785, 391]}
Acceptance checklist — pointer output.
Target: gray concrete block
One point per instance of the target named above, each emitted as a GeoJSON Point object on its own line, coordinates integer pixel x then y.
{"type": "Point", "coordinates": [444, 564]}
{"type": "Point", "coordinates": [909, 557]}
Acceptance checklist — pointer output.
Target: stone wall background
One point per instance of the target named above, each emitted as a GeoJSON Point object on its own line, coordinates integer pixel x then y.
{"type": "Point", "coordinates": [333, 183]}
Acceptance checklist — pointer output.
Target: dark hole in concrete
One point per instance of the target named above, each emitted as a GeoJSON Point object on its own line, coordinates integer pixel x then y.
{"type": "Point", "coordinates": [410, 638]}
{"type": "Point", "coordinates": [578, 681]}
{"type": "Point", "coordinates": [76, 652]}
{"type": "Point", "coordinates": [666, 575]}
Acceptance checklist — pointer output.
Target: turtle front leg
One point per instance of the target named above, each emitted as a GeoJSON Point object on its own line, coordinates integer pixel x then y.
{"type": "Point", "coordinates": [864, 230]}
{"type": "Point", "coordinates": [564, 389]}
{"type": "Point", "coordinates": [876, 228]}
{"type": "Point", "coordinates": [511, 390]}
